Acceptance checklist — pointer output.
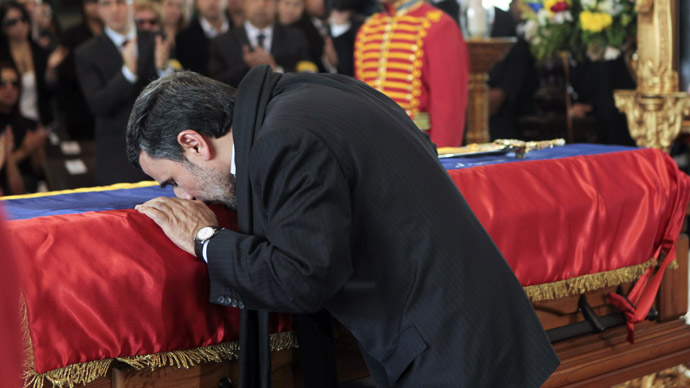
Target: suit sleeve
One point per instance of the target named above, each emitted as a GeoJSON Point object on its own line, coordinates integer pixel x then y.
{"type": "Point", "coordinates": [304, 257]}
{"type": "Point", "coordinates": [104, 96]}
{"type": "Point", "coordinates": [227, 64]}
{"type": "Point", "coordinates": [446, 72]}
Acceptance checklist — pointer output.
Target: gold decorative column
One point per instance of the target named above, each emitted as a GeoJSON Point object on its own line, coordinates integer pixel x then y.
{"type": "Point", "coordinates": [655, 110]}
{"type": "Point", "coordinates": [484, 54]}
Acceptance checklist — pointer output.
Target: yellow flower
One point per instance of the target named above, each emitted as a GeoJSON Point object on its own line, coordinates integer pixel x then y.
{"type": "Point", "coordinates": [595, 21]}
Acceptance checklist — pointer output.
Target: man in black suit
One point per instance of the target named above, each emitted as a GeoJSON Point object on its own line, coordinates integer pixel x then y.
{"type": "Point", "coordinates": [77, 122]}
{"type": "Point", "coordinates": [192, 45]}
{"type": "Point", "coordinates": [259, 41]}
{"type": "Point", "coordinates": [112, 69]}
{"type": "Point", "coordinates": [344, 207]}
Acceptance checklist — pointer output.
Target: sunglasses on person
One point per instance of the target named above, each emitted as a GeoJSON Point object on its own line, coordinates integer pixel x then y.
{"type": "Point", "coordinates": [142, 21]}
{"type": "Point", "coordinates": [12, 22]}
{"type": "Point", "coordinates": [6, 82]}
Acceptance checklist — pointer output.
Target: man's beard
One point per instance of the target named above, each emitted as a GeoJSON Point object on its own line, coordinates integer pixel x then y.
{"type": "Point", "coordinates": [215, 186]}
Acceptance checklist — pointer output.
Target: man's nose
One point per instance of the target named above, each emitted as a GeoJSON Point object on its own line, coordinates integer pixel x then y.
{"type": "Point", "coordinates": [179, 193]}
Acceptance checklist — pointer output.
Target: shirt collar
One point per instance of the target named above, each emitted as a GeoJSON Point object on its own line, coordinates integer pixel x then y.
{"type": "Point", "coordinates": [212, 32]}
{"type": "Point", "coordinates": [253, 32]}
{"type": "Point", "coordinates": [233, 168]}
{"type": "Point", "coordinates": [118, 38]}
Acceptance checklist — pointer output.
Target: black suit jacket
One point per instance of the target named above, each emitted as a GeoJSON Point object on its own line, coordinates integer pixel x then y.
{"type": "Point", "coordinates": [192, 48]}
{"type": "Point", "coordinates": [227, 64]}
{"type": "Point", "coordinates": [343, 204]}
{"type": "Point", "coordinates": [77, 121]}
{"type": "Point", "coordinates": [110, 97]}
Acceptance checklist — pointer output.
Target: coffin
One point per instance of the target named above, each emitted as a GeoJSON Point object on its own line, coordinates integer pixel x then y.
{"type": "Point", "coordinates": [110, 302]}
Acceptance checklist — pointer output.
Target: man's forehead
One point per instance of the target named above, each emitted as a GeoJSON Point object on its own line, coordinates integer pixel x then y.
{"type": "Point", "coordinates": [147, 163]}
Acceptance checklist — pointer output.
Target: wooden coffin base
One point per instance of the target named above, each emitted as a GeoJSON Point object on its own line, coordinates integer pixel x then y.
{"type": "Point", "coordinates": [589, 361]}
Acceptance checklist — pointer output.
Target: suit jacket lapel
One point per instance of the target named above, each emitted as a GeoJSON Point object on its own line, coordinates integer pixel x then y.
{"type": "Point", "coordinates": [111, 60]}
{"type": "Point", "coordinates": [277, 40]}
{"type": "Point", "coordinates": [145, 58]}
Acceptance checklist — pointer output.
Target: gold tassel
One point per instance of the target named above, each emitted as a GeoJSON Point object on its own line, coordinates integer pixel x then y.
{"type": "Point", "coordinates": [86, 372]}
{"type": "Point", "coordinates": [212, 353]}
{"type": "Point", "coordinates": [591, 282]}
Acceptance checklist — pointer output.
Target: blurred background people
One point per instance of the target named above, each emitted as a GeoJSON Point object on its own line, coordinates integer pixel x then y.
{"type": "Point", "coordinates": [193, 44]}
{"type": "Point", "coordinates": [173, 21]}
{"type": "Point", "coordinates": [147, 16]}
{"type": "Point", "coordinates": [113, 68]}
{"type": "Point", "coordinates": [290, 11]}
{"type": "Point", "coordinates": [30, 60]}
{"type": "Point", "coordinates": [235, 12]}
{"type": "Point", "coordinates": [45, 29]}
{"type": "Point", "coordinates": [346, 17]}
{"type": "Point", "coordinates": [513, 81]}
{"type": "Point", "coordinates": [28, 136]}
{"type": "Point", "coordinates": [258, 41]}
{"type": "Point", "coordinates": [75, 122]}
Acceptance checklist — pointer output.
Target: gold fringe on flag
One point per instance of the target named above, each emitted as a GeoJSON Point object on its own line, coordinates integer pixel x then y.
{"type": "Point", "coordinates": [86, 372]}
{"type": "Point", "coordinates": [581, 284]}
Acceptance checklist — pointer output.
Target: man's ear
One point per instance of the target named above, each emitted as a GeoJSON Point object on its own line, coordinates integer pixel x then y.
{"type": "Point", "coordinates": [194, 145]}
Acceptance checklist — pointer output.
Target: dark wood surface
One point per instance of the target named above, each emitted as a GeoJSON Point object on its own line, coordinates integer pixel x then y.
{"type": "Point", "coordinates": [606, 359]}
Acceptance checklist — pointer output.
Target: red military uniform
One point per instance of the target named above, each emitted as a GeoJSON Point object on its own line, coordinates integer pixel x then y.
{"type": "Point", "coordinates": [416, 55]}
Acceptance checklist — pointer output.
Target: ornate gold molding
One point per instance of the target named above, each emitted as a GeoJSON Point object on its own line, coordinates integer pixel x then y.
{"type": "Point", "coordinates": [656, 108]}
{"type": "Point", "coordinates": [654, 120]}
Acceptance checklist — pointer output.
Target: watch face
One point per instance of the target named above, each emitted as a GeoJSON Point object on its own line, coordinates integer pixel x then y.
{"type": "Point", "coordinates": [205, 233]}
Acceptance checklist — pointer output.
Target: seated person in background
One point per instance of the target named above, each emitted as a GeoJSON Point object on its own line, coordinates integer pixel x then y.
{"type": "Point", "coordinates": [512, 81]}
{"type": "Point", "coordinates": [192, 45]}
{"type": "Point", "coordinates": [259, 41]}
{"type": "Point", "coordinates": [147, 16]}
{"type": "Point", "coordinates": [594, 83]}
{"type": "Point", "coordinates": [30, 60]}
{"type": "Point", "coordinates": [29, 137]}
{"type": "Point", "coordinates": [11, 182]}
{"type": "Point", "coordinates": [422, 63]}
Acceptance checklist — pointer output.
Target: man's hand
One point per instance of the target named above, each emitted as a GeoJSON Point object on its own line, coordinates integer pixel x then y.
{"type": "Point", "coordinates": [129, 56]}
{"type": "Point", "coordinates": [54, 60]}
{"type": "Point", "coordinates": [329, 51]}
{"type": "Point", "coordinates": [162, 52]}
{"type": "Point", "coordinates": [579, 110]}
{"type": "Point", "coordinates": [6, 145]}
{"type": "Point", "coordinates": [180, 219]}
{"type": "Point", "coordinates": [258, 57]}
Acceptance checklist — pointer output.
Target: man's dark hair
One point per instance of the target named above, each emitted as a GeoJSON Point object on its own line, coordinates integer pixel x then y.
{"type": "Point", "coordinates": [172, 104]}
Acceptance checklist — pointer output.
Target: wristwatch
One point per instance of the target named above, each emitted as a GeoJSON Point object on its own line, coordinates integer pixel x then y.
{"type": "Point", "coordinates": [201, 238]}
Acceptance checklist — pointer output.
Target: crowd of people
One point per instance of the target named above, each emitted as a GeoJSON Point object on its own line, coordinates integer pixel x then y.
{"type": "Point", "coordinates": [81, 82]}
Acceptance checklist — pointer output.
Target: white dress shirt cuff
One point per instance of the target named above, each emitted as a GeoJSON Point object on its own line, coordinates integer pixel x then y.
{"type": "Point", "coordinates": [204, 249]}
{"type": "Point", "coordinates": [131, 77]}
{"type": "Point", "coordinates": [168, 70]}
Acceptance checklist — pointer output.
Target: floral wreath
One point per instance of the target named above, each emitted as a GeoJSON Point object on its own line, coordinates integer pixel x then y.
{"type": "Point", "coordinates": [600, 29]}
